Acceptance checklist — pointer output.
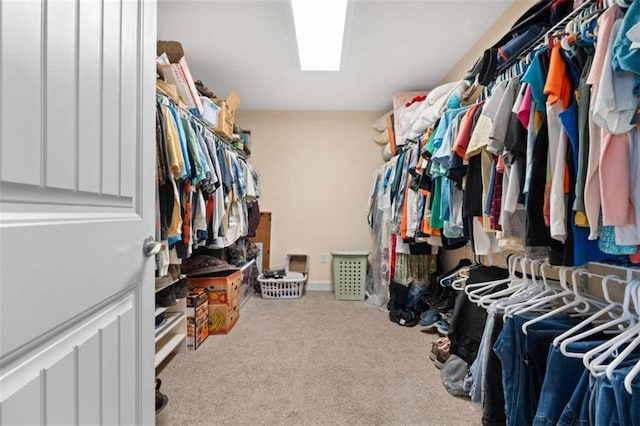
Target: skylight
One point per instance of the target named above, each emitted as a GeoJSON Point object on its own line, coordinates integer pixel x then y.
{"type": "Point", "coordinates": [319, 31]}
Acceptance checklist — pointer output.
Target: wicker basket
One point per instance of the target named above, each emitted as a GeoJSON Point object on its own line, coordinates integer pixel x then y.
{"type": "Point", "coordinates": [173, 49]}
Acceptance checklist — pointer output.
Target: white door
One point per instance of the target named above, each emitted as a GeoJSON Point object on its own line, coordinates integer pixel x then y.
{"type": "Point", "coordinates": [77, 152]}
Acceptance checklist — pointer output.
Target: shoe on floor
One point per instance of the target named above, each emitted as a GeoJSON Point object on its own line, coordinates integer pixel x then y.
{"type": "Point", "coordinates": [443, 327]}
{"type": "Point", "coordinates": [435, 345]}
{"type": "Point", "coordinates": [428, 319]}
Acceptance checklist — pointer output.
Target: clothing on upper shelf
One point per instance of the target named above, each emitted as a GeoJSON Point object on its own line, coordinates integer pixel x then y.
{"type": "Point", "coordinates": [203, 185]}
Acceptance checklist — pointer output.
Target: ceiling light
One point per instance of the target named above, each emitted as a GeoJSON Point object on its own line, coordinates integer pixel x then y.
{"type": "Point", "coordinates": [319, 30]}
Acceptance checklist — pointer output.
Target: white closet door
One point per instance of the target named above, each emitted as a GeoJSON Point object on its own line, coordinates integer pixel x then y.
{"type": "Point", "coordinates": [77, 154]}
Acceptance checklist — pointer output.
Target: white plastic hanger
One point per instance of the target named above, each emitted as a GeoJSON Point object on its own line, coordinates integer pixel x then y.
{"type": "Point", "coordinates": [476, 290]}
{"type": "Point", "coordinates": [523, 294]}
{"type": "Point", "coordinates": [610, 347]}
{"type": "Point", "coordinates": [515, 287]}
{"type": "Point", "coordinates": [578, 301]}
{"type": "Point", "coordinates": [569, 336]}
{"type": "Point", "coordinates": [632, 345]}
{"type": "Point", "coordinates": [544, 302]}
{"type": "Point", "coordinates": [544, 289]}
{"type": "Point", "coordinates": [636, 368]}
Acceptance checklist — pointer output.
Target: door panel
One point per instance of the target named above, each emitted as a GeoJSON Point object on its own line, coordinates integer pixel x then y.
{"type": "Point", "coordinates": [110, 373]}
{"type": "Point", "coordinates": [84, 364]}
{"type": "Point", "coordinates": [89, 381]}
{"type": "Point", "coordinates": [21, 86]}
{"type": "Point", "coordinates": [60, 391]}
{"type": "Point", "coordinates": [111, 99]}
{"type": "Point", "coordinates": [89, 89]}
{"type": "Point", "coordinates": [60, 95]}
{"type": "Point", "coordinates": [24, 406]}
{"type": "Point", "coordinates": [77, 156]}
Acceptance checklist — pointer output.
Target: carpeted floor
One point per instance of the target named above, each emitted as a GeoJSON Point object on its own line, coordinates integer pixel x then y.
{"type": "Point", "coordinates": [312, 361]}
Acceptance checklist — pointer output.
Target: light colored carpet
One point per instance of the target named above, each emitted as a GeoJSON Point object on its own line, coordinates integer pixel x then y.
{"type": "Point", "coordinates": [312, 361]}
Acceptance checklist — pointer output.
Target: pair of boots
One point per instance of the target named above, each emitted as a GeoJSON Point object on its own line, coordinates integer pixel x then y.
{"type": "Point", "coordinates": [399, 312]}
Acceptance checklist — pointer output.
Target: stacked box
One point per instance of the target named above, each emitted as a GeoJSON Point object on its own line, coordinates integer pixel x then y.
{"type": "Point", "coordinates": [223, 291]}
{"type": "Point", "coordinates": [197, 318]}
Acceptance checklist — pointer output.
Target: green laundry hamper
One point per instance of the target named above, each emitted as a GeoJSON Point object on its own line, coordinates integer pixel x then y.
{"type": "Point", "coordinates": [349, 273]}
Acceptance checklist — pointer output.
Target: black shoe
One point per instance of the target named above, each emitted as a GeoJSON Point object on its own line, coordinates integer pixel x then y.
{"type": "Point", "coordinates": [181, 289]}
{"type": "Point", "coordinates": [166, 297]}
{"type": "Point", "coordinates": [403, 317]}
{"type": "Point", "coordinates": [161, 399]}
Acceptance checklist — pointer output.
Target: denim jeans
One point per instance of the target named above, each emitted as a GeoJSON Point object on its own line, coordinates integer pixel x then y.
{"type": "Point", "coordinates": [576, 412]}
{"type": "Point", "coordinates": [628, 405]}
{"type": "Point", "coordinates": [493, 406]}
{"type": "Point", "coordinates": [602, 407]}
{"type": "Point", "coordinates": [517, 376]}
{"type": "Point", "coordinates": [561, 382]}
{"type": "Point", "coordinates": [478, 368]}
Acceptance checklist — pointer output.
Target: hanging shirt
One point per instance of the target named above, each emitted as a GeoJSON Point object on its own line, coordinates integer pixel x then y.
{"type": "Point", "coordinates": [584, 96]}
{"type": "Point", "coordinates": [197, 171]}
{"type": "Point", "coordinates": [480, 135]}
{"type": "Point", "coordinates": [626, 55]}
{"type": "Point", "coordinates": [502, 118]}
{"type": "Point", "coordinates": [182, 140]}
{"type": "Point", "coordinates": [176, 159]}
{"type": "Point", "coordinates": [614, 106]}
{"type": "Point", "coordinates": [523, 112]}
{"type": "Point", "coordinates": [558, 89]}
{"type": "Point", "coordinates": [536, 77]}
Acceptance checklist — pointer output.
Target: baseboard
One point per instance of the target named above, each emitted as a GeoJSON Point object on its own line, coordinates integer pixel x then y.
{"type": "Point", "coordinates": [320, 286]}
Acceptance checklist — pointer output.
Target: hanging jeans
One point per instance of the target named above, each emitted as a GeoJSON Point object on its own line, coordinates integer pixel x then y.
{"type": "Point", "coordinates": [518, 377]}
{"type": "Point", "coordinates": [562, 378]}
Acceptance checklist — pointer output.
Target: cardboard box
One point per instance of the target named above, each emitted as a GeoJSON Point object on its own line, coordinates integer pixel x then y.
{"type": "Point", "coordinates": [298, 263]}
{"type": "Point", "coordinates": [179, 75]}
{"type": "Point", "coordinates": [223, 287]}
{"type": "Point", "coordinates": [227, 116]}
{"type": "Point", "coordinates": [196, 334]}
{"type": "Point", "coordinates": [222, 317]}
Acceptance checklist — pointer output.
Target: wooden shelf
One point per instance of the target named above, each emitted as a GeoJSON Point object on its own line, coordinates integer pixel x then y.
{"type": "Point", "coordinates": [169, 347]}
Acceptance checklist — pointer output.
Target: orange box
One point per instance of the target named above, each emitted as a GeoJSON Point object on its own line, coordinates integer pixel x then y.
{"type": "Point", "coordinates": [197, 308]}
{"type": "Point", "coordinates": [222, 317]}
{"type": "Point", "coordinates": [196, 334]}
{"type": "Point", "coordinates": [223, 287]}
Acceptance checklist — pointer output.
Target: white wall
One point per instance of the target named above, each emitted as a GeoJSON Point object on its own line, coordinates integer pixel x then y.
{"type": "Point", "coordinates": [315, 174]}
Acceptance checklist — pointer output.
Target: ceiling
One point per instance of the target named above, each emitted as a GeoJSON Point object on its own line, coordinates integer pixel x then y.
{"type": "Point", "coordinates": [389, 46]}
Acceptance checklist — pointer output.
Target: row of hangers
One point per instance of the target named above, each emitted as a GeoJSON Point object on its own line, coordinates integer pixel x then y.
{"type": "Point", "coordinates": [533, 293]}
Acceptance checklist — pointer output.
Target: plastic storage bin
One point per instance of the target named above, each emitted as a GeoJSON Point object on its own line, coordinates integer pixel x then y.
{"type": "Point", "coordinates": [349, 273]}
{"type": "Point", "coordinates": [291, 286]}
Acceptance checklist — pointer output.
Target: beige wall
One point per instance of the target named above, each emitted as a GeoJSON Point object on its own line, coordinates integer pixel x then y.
{"type": "Point", "coordinates": [315, 174]}
{"type": "Point", "coordinates": [493, 34]}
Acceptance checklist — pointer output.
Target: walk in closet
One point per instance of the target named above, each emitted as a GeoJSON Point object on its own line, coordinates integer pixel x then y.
{"type": "Point", "coordinates": [302, 212]}
{"type": "Point", "coordinates": [525, 174]}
